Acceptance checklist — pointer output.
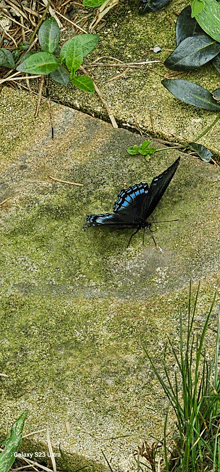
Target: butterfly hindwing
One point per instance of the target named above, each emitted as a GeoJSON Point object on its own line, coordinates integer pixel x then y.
{"type": "Point", "coordinates": [108, 219]}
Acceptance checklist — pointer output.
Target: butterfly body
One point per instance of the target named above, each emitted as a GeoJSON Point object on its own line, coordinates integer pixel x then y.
{"type": "Point", "coordinates": [136, 203]}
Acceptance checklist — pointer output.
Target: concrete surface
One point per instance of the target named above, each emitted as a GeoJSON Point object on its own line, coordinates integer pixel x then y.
{"type": "Point", "coordinates": [75, 304]}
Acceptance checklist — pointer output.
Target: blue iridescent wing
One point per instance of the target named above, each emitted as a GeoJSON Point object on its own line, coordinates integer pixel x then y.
{"type": "Point", "coordinates": [126, 209]}
{"type": "Point", "coordinates": [157, 188]}
{"type": "Point", "coordinates": [130, 201]}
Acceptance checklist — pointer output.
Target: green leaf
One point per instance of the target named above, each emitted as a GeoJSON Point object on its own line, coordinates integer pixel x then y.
{"type": "Point", "coordinates": [197, 6]}
{"type": "Point", "coordinates": [6, 59]}
{"type": "Point", "coordinates": [132, 150]}
{"type": "Point", "coordinates": [88, 42]}
{"type": "Point", "coordinates": [144, 149]}
{"type": "Point", "coordinates": [193, 52]}
{"type": "Point", "coordinates": [40, 63]}
{"type": "Point", "coordinates": [16, 53]}
{"type": "Point", "coordinates": [49, 35]}
{"type": "Point", "coordinates": [59, 75]}
{"type": "Point", "coordinates": [12, 443]}
{"type": "Point", "coordinates": [209, 19]}
{"type": "Point", "coordinates": [26, 55]}
{"type": "Point", "coordinates": [23, 46]}
{"type": "Point", "coordinates": [83, 82]}
{"type": "Point", "coordinates": [93, 3]}
{"type": "Point", "coordinates": [191, 93]}
{"type": "Point", "coordinates": [202, 151]}
{"type": "Point", "coordinates": [72, 53]}
{"type": "Point", "coordinates": [145, 145]}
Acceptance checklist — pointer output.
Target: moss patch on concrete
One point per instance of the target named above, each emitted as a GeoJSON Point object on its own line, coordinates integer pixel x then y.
{"type": "Point", "coordinates": [76, 305]}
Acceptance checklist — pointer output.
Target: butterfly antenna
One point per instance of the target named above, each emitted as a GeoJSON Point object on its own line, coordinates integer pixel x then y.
{"type": "Point", "coordinates": [164, 221]}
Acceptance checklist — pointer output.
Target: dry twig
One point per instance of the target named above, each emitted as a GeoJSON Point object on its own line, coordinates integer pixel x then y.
{"type": "Point", "coordinates": [65, 181]}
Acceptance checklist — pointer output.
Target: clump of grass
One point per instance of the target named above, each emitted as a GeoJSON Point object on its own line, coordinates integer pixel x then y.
{"type": "Point", "coordinates": [194, 395]}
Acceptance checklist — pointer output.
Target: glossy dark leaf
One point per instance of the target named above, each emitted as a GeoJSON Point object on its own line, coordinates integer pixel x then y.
{"type": "Point", "coordinates": [186, 26]}
{"type": "Point", "coordinates": [202, 151]}
{"type": "Point", "coordinates": [193, 52]}
{"type": "Point", "coordinates": [146, 6]}
{"type": "Point", "coordinates": [216, 62]}
{"type": "Point", "coordinates": [191, 93]}
{"type": "Point", "coordinates": [216, 94]}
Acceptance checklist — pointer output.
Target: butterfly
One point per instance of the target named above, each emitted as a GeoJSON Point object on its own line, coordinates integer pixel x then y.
{"type": "Point", "coordinates": [135, 204]}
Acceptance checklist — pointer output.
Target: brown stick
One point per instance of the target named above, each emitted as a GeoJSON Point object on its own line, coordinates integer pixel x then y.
{"type": "Point", "coordinates": [99, 93]}
{"type": "Point", "coordinates": [65, 181]}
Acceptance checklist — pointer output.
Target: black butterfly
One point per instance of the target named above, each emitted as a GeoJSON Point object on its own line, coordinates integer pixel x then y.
{"type": "Point", "coordinates": [135, 204]}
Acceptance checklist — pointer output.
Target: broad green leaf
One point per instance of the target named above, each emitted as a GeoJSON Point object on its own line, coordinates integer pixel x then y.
{"type": "Point", "coordinates": [83, 82]}
{"type": "Point", "coordinates": [12, 443]}
{"type": "Point", "coordinates": [186, 26]}
{"type": "Point", "coordinates": [197, 6]}
{"type": "Point", "coordinates": [209, 19]}
{"type": "Point", "coordinates": [202, 151]}
{"type": "Point", "coordinates": [88, 42]}
{"type": "Point", "coordinates": [191, 93]}
{"type": "Point", "coordinates": [132, 150]}
{"type": "Point", "coordinates": [26, 55]}
{"type": "Point", "coordinates": [6, 59]}
{"type": "Point", "coordinates": [193, 52]}
{"type": "Point", "coordinates": [59, 75]}
{"type": "Point", "coordinates": [49, 35]}
{"type": "Point", "coordinates": [40, 63]}
{"type": "Point", "coordinates": [93, 3]}
{"type": "Point", "coordinates": [72, 53]}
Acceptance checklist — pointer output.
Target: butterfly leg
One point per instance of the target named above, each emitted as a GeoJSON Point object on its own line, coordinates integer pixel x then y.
{"type": "Point", "coordinates": [152, 236]}
{"type": "Point", "coordinates": [132, 237]}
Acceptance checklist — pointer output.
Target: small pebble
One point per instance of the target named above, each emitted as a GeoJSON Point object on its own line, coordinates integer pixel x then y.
{"type": "Point", "coordinates": [156, 49]}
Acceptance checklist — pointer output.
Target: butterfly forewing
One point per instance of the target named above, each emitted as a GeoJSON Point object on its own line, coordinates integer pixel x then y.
{"type": "Point", "coordinates": [129, 203]}
{"type": "Point", "coordinates": [157, 189]}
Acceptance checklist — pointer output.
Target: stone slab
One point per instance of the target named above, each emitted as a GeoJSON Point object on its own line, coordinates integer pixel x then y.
{"type": "Point", "coordinates": [75, 303]}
